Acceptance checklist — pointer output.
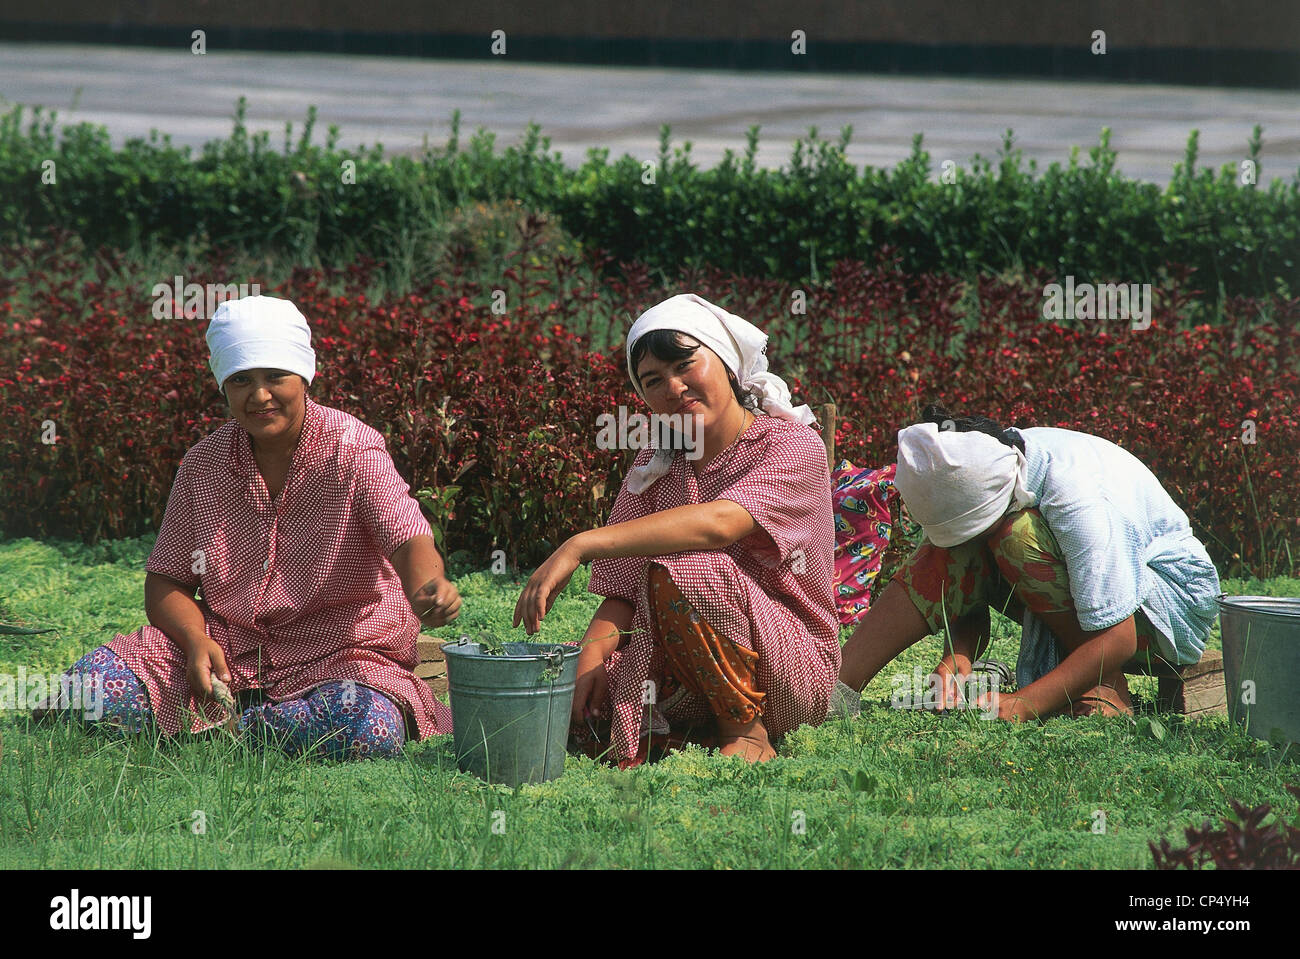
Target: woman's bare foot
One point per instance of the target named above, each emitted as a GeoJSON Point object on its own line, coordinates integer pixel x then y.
{"type": "Point", "coordinates": [745, 739]}
{"type": "Point", "coordinates": [1110, 698]}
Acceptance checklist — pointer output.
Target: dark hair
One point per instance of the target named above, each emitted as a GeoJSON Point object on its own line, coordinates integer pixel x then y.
{"type": "Point", "coordinates": [672, 345]}
{"type": "Point", "coordinates": [934, 413]}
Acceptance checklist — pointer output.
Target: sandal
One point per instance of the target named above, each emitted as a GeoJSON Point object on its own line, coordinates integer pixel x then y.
{"type": "Point", "coordinates": [1002, 672]}
{"type": "Point", "coordinates": [846, 702]}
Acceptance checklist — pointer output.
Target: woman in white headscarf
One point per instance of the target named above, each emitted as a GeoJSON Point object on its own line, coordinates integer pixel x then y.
{"type": "Point", "coordinates": [1062, 530]}
{"type": "Point", "coordinates": [315, 564]}
{"type": "Point", "coordinates": [717, 561]}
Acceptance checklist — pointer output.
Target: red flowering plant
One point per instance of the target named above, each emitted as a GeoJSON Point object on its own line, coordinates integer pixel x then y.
{"type": "Point", "coordinates": [495, 412]}
{"type": "Point", "coordinates": [1212, 411]}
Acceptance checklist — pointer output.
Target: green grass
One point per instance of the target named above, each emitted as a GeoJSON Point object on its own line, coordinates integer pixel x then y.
{"type": "Point", "coordinates": [937, 792]}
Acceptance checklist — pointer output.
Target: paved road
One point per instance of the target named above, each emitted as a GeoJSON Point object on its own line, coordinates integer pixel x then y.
{"type": "Point", "coordinates": [401, 102]}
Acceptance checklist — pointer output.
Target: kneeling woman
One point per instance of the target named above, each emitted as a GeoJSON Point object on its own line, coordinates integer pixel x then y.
{"type": "Point", "coordinates": [1065, 531]}
{"type": "Point", "coordinates": [311, 556]}
{"type": "Point", "coordinates": [716, 568]}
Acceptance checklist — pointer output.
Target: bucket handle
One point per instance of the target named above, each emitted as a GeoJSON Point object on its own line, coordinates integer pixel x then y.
{"type": "Point", "coordinates": [554, 659]}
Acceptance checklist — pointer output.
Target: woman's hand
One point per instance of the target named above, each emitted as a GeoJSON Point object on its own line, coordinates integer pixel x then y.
{"type": "Point", "coordinates": [437, 602]}
{"type": "Point", "coordinates": [953, 671]}
{"type": "Point", "coordinates": [545, 584]}
{"type": "Point", "coordinates": [205, 660]}
{"type": "Point", "coordinates": [1015, 709]}
{"type": "Point", "coordinates": [591, 689]}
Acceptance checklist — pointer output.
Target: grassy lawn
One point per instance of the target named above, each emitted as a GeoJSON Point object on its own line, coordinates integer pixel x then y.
{"type": "Point", "coordinates": [951, 791]}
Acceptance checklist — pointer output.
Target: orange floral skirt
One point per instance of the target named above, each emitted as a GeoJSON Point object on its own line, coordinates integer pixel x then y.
{"type": "Point", "coordinates": [697, 660]}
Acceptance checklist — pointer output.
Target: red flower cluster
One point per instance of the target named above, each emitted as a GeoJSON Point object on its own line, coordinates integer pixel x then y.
{"type": "Point", "coordinates": [504, 407]}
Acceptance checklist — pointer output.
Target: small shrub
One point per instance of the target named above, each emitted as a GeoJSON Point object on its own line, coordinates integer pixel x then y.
{"type": "Point", "coordinates": [1244, 842]}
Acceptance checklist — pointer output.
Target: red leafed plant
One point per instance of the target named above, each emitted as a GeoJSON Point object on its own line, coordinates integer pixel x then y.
{"type": "Point", "coordinates": [99, 400]}
{"type": "Point", "coordinates": [1244, 842]}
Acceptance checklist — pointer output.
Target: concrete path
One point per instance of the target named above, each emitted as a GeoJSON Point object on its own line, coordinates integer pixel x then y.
{"type": "Point", "coordinates": [401, 102]}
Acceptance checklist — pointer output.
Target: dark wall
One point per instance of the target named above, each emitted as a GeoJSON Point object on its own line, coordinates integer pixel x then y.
{"type": "Point", "coordinates": [1199, 41]}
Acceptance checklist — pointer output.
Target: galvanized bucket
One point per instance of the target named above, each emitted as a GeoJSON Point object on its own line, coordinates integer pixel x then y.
{"type": "Point", "coordinates": [1261, 664]}
{"type": "Point", "coordinates": [510, 712]}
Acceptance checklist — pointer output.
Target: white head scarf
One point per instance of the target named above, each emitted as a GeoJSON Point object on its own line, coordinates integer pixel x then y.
{"type": "Point", "coordinates": [957, 485]}
{"type": "Point", "coordinates": [259, 332]}
{"type": "Point", "coordinates": [739, 344]}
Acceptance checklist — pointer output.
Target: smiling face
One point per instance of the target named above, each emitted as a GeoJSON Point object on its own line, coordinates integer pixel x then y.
{"type": "Point", "coordinates": [698, 384]}
{"type": "Point", "coordinates": [283, 394]}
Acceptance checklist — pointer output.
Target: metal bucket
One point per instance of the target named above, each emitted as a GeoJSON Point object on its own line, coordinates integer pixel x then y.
{"type": "Point", "coordinates": [1261, 664]}
{"type": "Point", "coordinates": [510, 713]}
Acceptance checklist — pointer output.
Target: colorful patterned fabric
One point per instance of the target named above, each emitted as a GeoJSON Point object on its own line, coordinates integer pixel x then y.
{"type": "Point", "coordinates": [335, 720]}
{"type": "Point", "coordinates": [340, 720]}
{"type": "Point", "coordinates": [862, 500]}
{"type": "Point", "coordinates": [699, 661]}
{"type": "Point", "coordinates": [772, 597]}
{"type": "Point", "coordinates": [1019, 567]}
{"type": "Point", "coordinates": [1126, 545]}
{"type": "Point", "coordinates": [124, 700]}
{"type": "Point", "coordinates": [297, 591]}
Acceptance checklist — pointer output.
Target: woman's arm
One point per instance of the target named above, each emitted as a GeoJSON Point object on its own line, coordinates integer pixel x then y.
{"type": "Point", "coordinates": [603, 636]}
{"type": "Point", "coordinates": [969, 637]}
{"type": "Point", "coordinates": [171, 608]}
{"type": "Point", "coordinates": [700, 526]}
{"type": "Point", "coordinates": [1092, 656]}
{"type": "Point", "coordinates": [424, 580]}
{"type": "Point", "coordinates": [608, 625]}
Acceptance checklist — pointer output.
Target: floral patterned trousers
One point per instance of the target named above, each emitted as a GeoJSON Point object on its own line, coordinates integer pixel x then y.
{"type": "Point", "coordinates": [339, 720]}
{"type": "Point", "coordinates": [699, 659]}
{"type": "Point", "coordinates": [1018, 566]}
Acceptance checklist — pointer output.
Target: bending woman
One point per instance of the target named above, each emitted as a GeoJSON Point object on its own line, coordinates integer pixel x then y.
{"type": "Point", "coordinates": [310, 554]}
{"type": "Point", "coordinates": [1065, 531]}
{"type": "Point", "coordinates": [716, 568]}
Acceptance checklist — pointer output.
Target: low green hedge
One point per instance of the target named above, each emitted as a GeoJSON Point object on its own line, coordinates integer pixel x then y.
{"type": "Point", "coordinates": [1083, 219]}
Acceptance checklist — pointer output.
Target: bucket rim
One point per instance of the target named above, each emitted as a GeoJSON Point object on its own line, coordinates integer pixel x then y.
{"type": "Point", "coordinates": [1285, 608]}
{"type": "Point", "coordinates": [542, 651]}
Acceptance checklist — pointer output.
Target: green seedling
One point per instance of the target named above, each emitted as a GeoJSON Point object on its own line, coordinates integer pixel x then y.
{"type": "Point", "coordinates": [223, 695]}
{"type": "Point", "coordinates": [554, 666]}
{"type": "Point", "coordinates": [487, 642]}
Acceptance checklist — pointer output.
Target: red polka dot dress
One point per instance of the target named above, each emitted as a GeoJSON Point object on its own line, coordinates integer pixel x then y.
{"type": "Point", "coordinates": [298, 590]}
{"type": "Point", "coordinates": [776, 601]}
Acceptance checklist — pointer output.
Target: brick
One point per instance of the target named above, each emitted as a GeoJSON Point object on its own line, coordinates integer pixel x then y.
{"type": "Point", "coordinates": [433, 665]}
{"type": "Point", "coordinates": [429, 649]}
{"type": "Point", "coordinates": [429, 670]}
{"type": "Point", "coordinates": [1199, 691]}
